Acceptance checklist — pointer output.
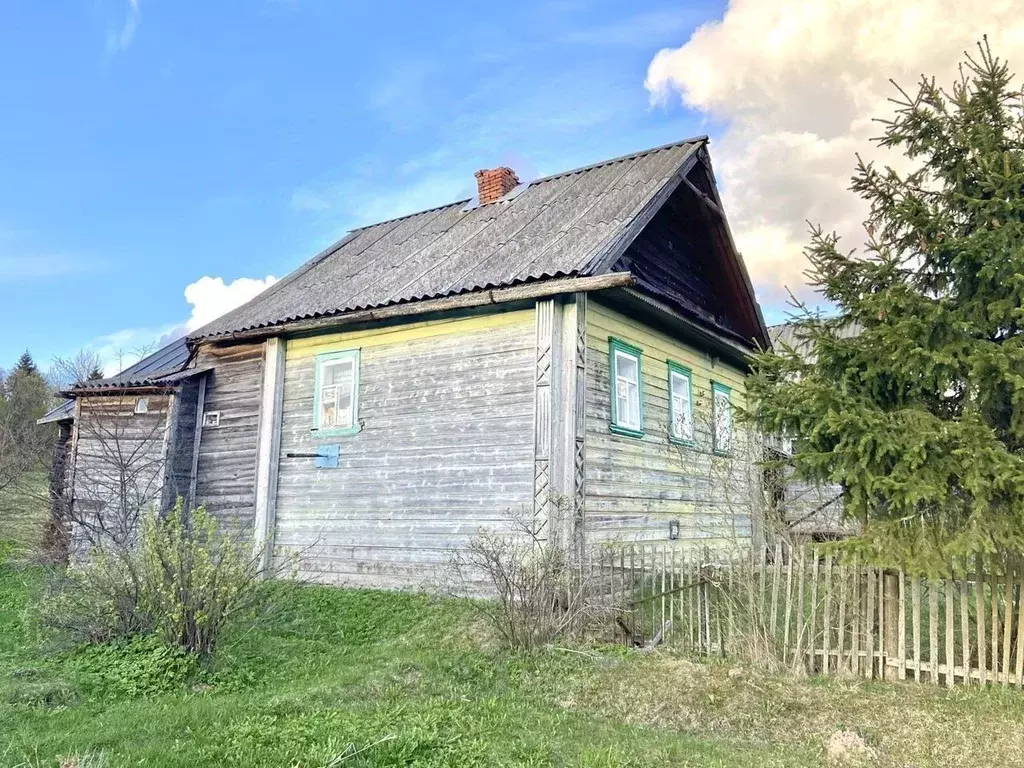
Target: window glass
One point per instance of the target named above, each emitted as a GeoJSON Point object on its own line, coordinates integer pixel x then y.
{"type": "Point", "coordinates": [722, 411]}
{"type": "Point", "coordinates": [682, 406]}
{"type": "Point", "coordinates": [337, 380]}
{"type": "Point", "coordinates": [627, 390]}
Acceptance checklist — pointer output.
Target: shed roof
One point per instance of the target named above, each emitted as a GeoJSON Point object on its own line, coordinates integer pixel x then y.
{"type": "Point", "coordinates": [570, 224]}
{"type": "Point", "coordinates": [150, 370]}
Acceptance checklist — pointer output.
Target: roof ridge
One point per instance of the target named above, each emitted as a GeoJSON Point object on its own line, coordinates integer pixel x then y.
{"type": "Point", "coordinates": [622, 158]}
{"type": "Point", "coordinates": [702, 138]}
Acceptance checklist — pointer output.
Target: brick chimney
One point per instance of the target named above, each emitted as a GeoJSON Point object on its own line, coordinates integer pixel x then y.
{"type": "Point", "coordinates": [495, 183]}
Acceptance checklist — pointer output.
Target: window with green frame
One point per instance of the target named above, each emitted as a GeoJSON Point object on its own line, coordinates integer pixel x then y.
{"type": "Point", "coordinates": [721, 417]}
{"type": "Point", "coordinates": [626, 387]}
{"type": "Point", "coordinates": [336, 393]}
{"type": "Point", "coordinates": [680, 403]}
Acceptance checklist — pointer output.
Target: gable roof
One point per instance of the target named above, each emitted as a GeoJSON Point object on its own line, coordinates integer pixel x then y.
{"type": "Point", "coordinates": [562, 225]}
{"type": "Point", "coordinates": [575, 224]}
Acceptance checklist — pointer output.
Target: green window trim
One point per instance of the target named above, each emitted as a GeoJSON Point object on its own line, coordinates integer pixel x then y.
{"type": "Point", "coordinates": [328, 357]}
{"type": "Point", "coordinates": [619, 346]}
{"type": "Point", "coordinates": [682, 370]}
{"type": "Point", "coordinates": [718, 388]}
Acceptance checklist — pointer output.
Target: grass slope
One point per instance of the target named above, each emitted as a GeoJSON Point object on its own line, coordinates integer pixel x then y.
{"type": "Point", "coordinates": [360, 678]}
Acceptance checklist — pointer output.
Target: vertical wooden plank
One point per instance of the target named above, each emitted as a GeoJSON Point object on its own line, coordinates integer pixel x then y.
{"type": "Point", "coordinates": [761, 601]}
{"type": "Point", "coordinates": [1020, 631]}
{"type": "Point", "coordinates": [965, 627]}
{"type": "Point", "coordinates": [691, 598]}
{"type": "Point", "coordinates": [950, 652]}
{"type": "Point", "coordinates": [268, 450]}
{"type": "Point", "coordinates": [844, 577]}
{"type": "Point", "coordinates": [979, 615]}
{"type": "Point", "coordinates": [902, 623]}
{"type": "Point", "coordinates": [889, 611]}
{"type": "Point", "coordinates": [869, 621]}
{"type": "Point", "coordinates": [730, 639]}
{"type": "Point", "coordinates": [933, 630]}
{"type": "Point", "coordinates": [812, 641]}
{"type": "Point", "coordinates": [826, 628]}
{"type": "Point", "coordinates": [664, 588]}
{"type": "Point", "coordinates": [776, 579]}
{"type": "Point", "coordinates": [801, 613]}
{"type": "Point", "coordinates": [1007, 624]}
{"type": "Point", "coordinates": [673, 584]}
{"type": "Point", "coordinates": [916, 599]}
{"type": "Point", "coordinates": [993, 586]}
{"type": "Point", "coordinates": [789, 604]}
{"type": "Point", "coordinates": [856, 606]}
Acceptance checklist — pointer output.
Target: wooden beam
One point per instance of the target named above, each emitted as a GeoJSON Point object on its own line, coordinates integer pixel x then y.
{"type": "Point", "coordinates": [704, 198]}
{"type": "Point", "coordinates": [269, 446]}
{"type": "Point", "coordinates": [528, 291]}
{"type": "Point", "coordinates": [197, 439]}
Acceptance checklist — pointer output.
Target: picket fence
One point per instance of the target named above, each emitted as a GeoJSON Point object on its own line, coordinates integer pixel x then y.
{"type": "Point", "coordinates": [805, 607]}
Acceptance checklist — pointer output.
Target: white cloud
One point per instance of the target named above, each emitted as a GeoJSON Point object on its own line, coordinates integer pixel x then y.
{"type": "Point", "coordinates": [119, 40]}
{"type": "Point", "coordinates": [211, 297]}
{"type": "Point", "coordinates": [796, 85]}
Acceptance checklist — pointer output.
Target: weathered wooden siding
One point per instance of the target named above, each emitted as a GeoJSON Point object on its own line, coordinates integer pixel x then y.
{"type": "Point", "coordinates": [635, 486]}
{"type": "Point", "coordinates": [118, 465]}
{"type": "Point", "coordinates": [446, 447]}
{"type": "Point", "coordinates": [226, 471]}
{"type": "Point", "coordinates": [180, 444]}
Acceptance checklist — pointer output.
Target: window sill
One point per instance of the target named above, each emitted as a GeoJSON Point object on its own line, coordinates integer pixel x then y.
{"type": "Point", "coordinates": [723, 454]}
{"type": "Point", "coordinates": [682, 441]}
{"type": "Point", "coordinates": [626, 431]}
{"type": "Point", "coordinates": [335, 432]}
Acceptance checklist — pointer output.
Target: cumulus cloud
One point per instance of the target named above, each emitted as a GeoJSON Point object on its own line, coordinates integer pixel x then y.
{"type": "Point", "coordinates": [795, 87]}
{"type": "Point", "coordinates": [211, 297]}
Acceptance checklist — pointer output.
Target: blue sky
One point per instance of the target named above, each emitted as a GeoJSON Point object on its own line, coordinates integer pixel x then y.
{"type": "Point", "coordinates": [146, 145]}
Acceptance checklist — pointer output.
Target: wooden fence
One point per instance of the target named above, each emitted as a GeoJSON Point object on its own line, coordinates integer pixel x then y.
{"type": "Point", "coordinates": [804, 607]}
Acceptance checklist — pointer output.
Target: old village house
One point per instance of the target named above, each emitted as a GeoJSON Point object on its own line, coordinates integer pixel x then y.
{"type": "Point", "coordinates": [574, 347]}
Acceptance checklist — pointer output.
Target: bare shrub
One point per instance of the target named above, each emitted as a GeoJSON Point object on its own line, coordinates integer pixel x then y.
{"type": "Point", "coordinates": [535, 587]}
{"type": "Point", "coordinates": [184, 581]}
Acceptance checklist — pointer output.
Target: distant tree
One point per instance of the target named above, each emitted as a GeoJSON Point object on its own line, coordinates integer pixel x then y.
{"type": "Point", "coordinates": [84, 365]}
{"type": "Point", "coordinates": [920, 415]}
{"type": "Point", "coordinates": [26, 364]}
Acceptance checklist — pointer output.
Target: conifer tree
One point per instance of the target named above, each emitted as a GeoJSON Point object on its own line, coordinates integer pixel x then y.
{"type": "Point", "coordinates": [911, 395]}
{"type": "Point", "coordinates": [26, 365]}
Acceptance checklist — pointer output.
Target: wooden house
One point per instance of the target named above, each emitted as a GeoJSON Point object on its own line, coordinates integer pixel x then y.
{"type": "Point", "coordinates": [570, 349]}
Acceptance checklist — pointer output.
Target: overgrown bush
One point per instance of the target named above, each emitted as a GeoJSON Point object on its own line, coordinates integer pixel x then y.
{"type": "Point", "coordinates": [183, 582]}
{"type": "Point", "coordinates": [534, 587]}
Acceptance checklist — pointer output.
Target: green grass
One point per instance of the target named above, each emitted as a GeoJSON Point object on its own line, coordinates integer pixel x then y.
{"type": "Point", "coordinates": [360, 678]}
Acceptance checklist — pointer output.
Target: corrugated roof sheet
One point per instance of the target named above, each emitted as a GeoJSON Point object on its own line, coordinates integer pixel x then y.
{"type": "Point", "coordinates": [556, 226]}
{"type": "Point", "coordinates": [166, 360]}
{"type": "Point", "coordinates": [789, 334]}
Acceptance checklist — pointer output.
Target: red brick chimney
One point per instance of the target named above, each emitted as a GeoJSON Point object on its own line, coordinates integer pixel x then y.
{"type": "Point", "coordinates": [495, 183]}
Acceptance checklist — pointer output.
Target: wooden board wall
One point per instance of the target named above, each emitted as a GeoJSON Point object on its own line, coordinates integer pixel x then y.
{"type": "Point", "coordinates": [226, 472]}
{"type": "Point", "coordinates": [635, 486]}
{"type": "Point", "coordinates": [118, 464]}
{"type": "Point", "coordinates": [446, 447]}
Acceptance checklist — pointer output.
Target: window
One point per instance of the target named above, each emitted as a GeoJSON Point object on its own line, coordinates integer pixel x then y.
{"type": "Point", "coordinates": [721, 411]}
{"type": "Point", "coordinates": [680, 405]}
{"type": "Point", "coordinates": [211, 419]}
{"type": "Point", "coordinates": [627, 389]}
{"type": "Point", "coordinates": [336, 393]}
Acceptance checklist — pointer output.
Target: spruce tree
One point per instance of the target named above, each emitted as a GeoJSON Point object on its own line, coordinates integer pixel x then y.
{"type": "Point", "coordinates": [95, 374]}
{"type": "Point", "coordinates": [26, 364]}
{"type": "Point", "coordinates": [911, 395]}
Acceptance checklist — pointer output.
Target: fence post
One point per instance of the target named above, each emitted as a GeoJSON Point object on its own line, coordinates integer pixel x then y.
{"type": "Point", "coordinates": [891, 600]}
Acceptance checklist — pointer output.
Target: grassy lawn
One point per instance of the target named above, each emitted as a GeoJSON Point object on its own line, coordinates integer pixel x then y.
{"type": "Point", "coordinates": [359, 678]}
